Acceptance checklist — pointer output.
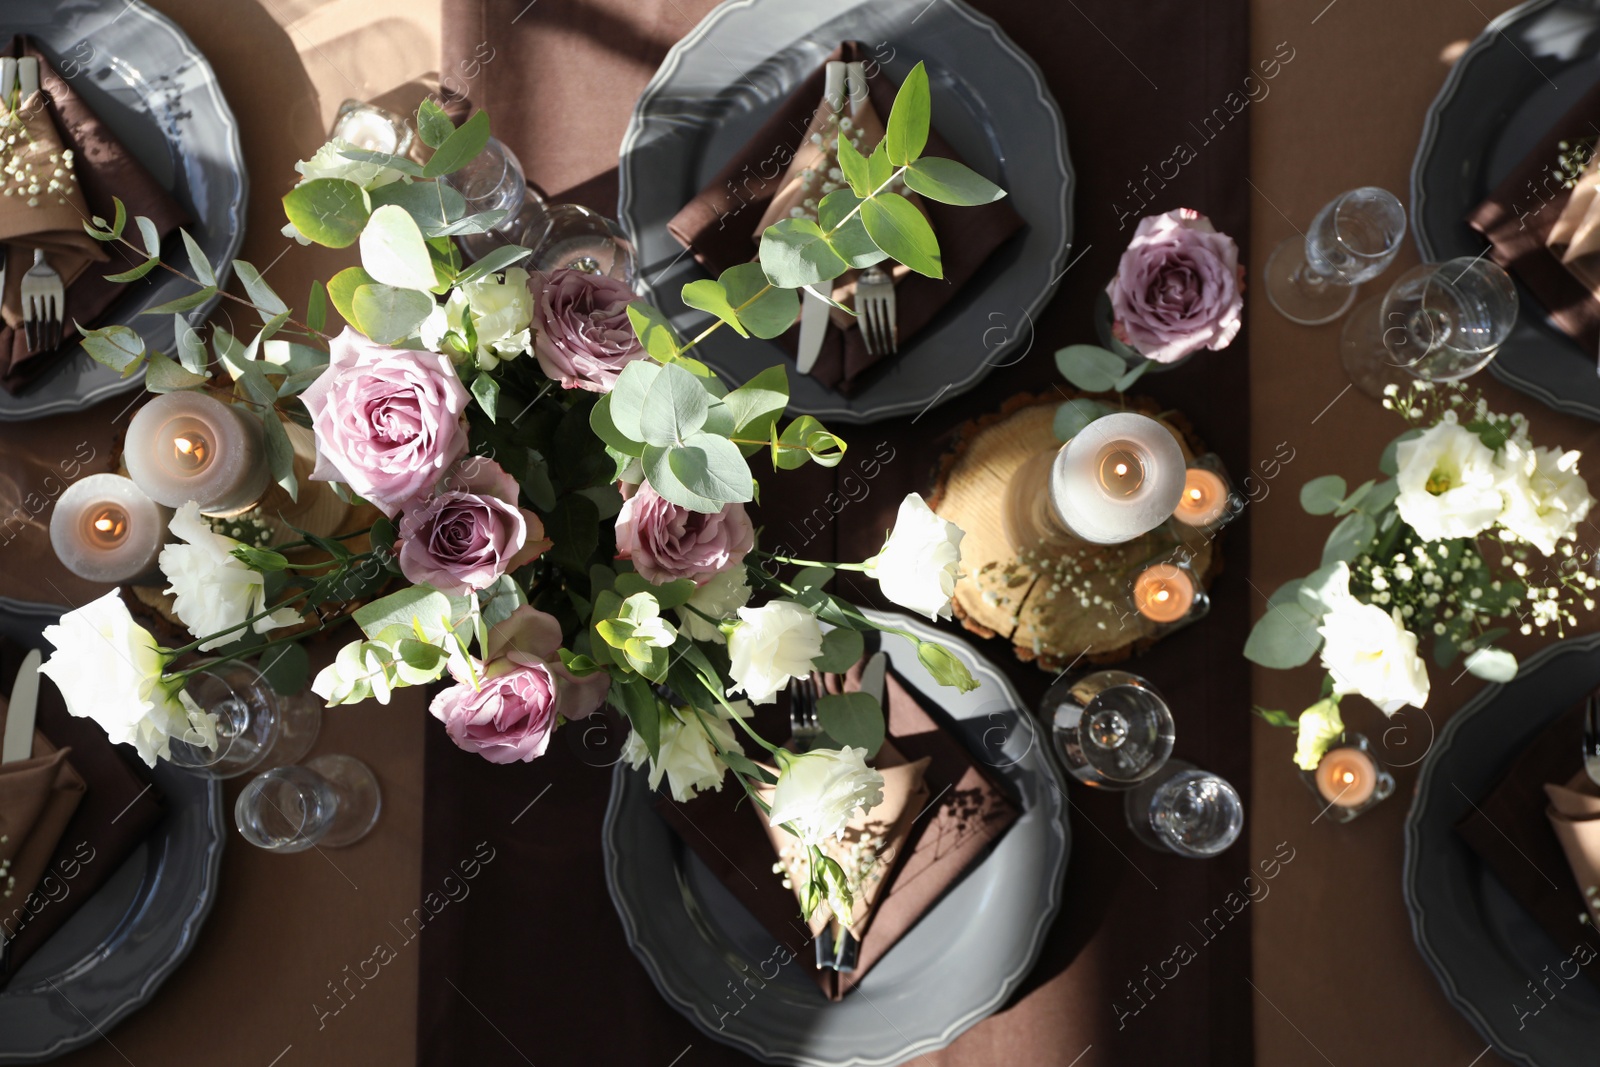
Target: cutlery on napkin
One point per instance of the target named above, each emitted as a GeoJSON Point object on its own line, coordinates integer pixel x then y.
{"type": "Point", "coordinates": [1574, 814]}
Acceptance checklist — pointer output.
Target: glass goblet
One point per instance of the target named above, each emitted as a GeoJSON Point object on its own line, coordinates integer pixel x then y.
{"type": "Point", "coordinates": [571, 236]}
{"type": "Point", "coordinates": [1353, 239]}
{"type": "Point", "coordinates": [331, 801]}
{"type": "Point", "coordinates": [494, 181]}
{"type": "Point", "coordinates": [1111, 729]}
{"type": "Point", "coordinates": [1185, 810]}
{"type": "Point", "coordinates": [256, 728]}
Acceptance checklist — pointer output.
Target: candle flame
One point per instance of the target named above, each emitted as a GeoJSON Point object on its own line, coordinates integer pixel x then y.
{"type": "Point", "coordinates": [1195, 494]}
{"type": "Point", "coordinates": [1122, 470]}
{"type": "Point", "coordinates": [1347, 777]}
{"type": "Point", "coordinates": [1163, 595]}
{"type": "Point", "coordinates": [184, 445]}
{"type": "Point", "coordinates": [104, 525]}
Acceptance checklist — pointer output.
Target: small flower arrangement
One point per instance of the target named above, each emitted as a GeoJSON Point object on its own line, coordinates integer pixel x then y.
{"type": "Point", "coordinates": [1468, 535]}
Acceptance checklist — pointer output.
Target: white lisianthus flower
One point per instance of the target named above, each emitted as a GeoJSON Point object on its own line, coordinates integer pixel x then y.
{"type": "Point", "coordinates": [921, 560]}
{"type": "Point", "coordinates": [719, 598]}
{"type": "Point", "coordinates": [686, 755]}
{"type": "Point", "coordinates": [212, 589]}
{"type": "Point", "coordinates": [1370, 651]}
{"type": "Point", "coordinates": [772, 644]}
{"type": "Point", "coordinates": [1449, 483]}
{"type": "Point", "coordinates": [109, 669]}
{"type": "Point", "coordinates": [327, 162]}
{"type": "Point", "coordinates": [1319, 726]}
{"type": "Point", "coordinates": [501, 312]}
{"type": "Point", "coordinates": [818, 791]}
{"type": "Point", "coordinates": [1545, 496]}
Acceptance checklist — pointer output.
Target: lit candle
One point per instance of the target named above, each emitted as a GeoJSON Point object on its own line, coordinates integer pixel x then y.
{"type": "Point", "coordinates": [188, 446]}
{"type": "Point", "coordinates": [105, 530]}
{"type": "Point", "coordinates": [369, 128]}
{"type": "Point", "coordinates": [1204, 499]}
{"type": "Point", "coordinates": [1163, 592]}
{"type": "Point", "coordinates": [1347, 777]}
{"type": "Point", "coordinates": [1121, 476]}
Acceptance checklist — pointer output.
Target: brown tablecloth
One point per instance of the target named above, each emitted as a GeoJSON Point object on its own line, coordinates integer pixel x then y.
{"type": "Point", "coordinates": [551, 928]}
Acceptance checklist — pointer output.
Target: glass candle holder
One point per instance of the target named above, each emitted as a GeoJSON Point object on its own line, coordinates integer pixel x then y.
{"type": "Point", "coordinates": [1110, 729]}
{"type": "Point", "coordinates": [189, 446]}
{"type": "Point", "coordinates": [1349, 779]}
{"type": "Point", "coordinates": [256, 728]}
{"type": "Point", "coordinates": [1168, 593]}
{"type": "Point", "coordinates": [330, 802]}
{"type": "Point", "coordinates": [105, 529]}
{"type": "Point", "coordinates": [373, 128]}
{"type": "Point", "coordinates": [1208, 502]}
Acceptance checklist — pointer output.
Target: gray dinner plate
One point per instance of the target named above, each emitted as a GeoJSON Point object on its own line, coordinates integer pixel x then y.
{"type": "Point", "coordinates": [719, 84]}
{"type": "Point", "coordinates": [153, 88]}
{"type": "Point", "coordinates": [1504, 93]}
{"type": "Point", "coordinates": [1482, 945]}
{"type": "Point", "coordinates": [116, 950]}
{"type": "Point", "coordinates": [956, 966]}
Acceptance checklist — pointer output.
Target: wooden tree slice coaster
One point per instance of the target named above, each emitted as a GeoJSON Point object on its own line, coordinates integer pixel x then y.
{"type": "Point", "coordinates": [1056, 606]}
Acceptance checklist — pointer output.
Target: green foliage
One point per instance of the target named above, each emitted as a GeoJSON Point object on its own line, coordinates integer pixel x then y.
{"type": "Point", "coordinates": [950, 182]}
{"type": "Point", "coordinates": [1073, 415]}
{"type": "Point", "coordinates": [1286, 636]}
{"type": "Point", "coordinates": [393, 250]}
{"type": "Point", "coordinates": [906, 132]}
{"type": "Point", "coordinates": [1090, 367]}
{"type": "Point", "coordinates": [328, 211]}
{"type": "Point", "coordinates": [853, 719]}
{"type": "Point", "coordinates": [461, 147]}
{"type": "Point", "coordinates": [1322, 496]}
{"type": "Point", "coordinates": [116, 347]}
{"type": "Point", "coordinates": [433, 125]}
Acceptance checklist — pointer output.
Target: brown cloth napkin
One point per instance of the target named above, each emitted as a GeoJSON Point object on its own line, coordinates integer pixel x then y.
{"type": "Point", "coordinates": [1520, 215]}
{"type": "Point", "coordinates": [719, 224]}
{"type": "Point", "coordinates": [105, 169]}
{"type": "Point", "coordinates": [1574, 814]}
{"type": "Point", "coordinates": [38, 797]}
{"type": "Point", "coordinates": [115, 814]}
{"type": "Point", "coordinates": [968, 814]}
{"type": "Point", "coordinates": [1510, 830]}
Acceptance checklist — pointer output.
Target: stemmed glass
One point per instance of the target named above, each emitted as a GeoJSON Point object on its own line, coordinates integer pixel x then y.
{"type": "Point", "coordinates": [494, 181]}
{"type": "Point", "coordinates": [1111, 729]}
{"type": "Point", "coordinates": [1352, 240]}
{"type": "Point", "coordinates": [255, 726]}
{"type": "Point", "coordinates": [1185, 810]}
{"type": "Point", "coordinates": [1439, 322]}
{"type": "Point", "coordinates": [331, 801]}
{"type": "Point", "coordinates": [573, 237]}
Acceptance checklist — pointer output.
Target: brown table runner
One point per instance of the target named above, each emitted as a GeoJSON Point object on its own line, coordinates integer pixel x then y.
{"type": "Point", "coordinates": [534, 968]}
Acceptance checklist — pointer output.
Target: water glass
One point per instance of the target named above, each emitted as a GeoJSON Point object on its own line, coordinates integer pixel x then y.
{"type": "Point", "coordinates": [494, 181]}
{"type": "Point", "coordinates": [1185, 810]}
{"type": "Point", "coordinates": [573, 237]}
{"type": "Point", "coordinates": [331, 801]}
{"type": "Point", "coordinates": [1353, 239]}
{"type": "Point", "coordinates": [1110, 729]}
{"type": "Point", "coordinates": [256, 727]}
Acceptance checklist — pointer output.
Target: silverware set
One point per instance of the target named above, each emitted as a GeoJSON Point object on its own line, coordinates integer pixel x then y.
{"type": "Point", "coordinates": [1591, 738]}
{"type": "Point", "coordinates": [43, 293]}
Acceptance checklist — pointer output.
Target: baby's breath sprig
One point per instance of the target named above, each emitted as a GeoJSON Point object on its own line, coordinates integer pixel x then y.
{"type": "Point", "coordinates": [1572, 159]}
{"type": "Point", "coordinates": [22, 172]}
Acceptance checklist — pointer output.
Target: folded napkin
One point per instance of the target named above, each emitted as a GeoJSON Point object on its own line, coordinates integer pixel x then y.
{"type": "Point", "coordinates": [1511, 830]}
{"type": "Point", "coordinates": [104, 169]}
{"type": "Point", "coordinates": [115, 812]}
{"type": "Point", "coordinates": [968, 813]}
{"type": "Point", "coordinates": [1575, 816]}
{"type": "Point", "coordinates": [38, 797]}
{"type": "Point", "coordinates": [1521, 219]}
{"type": "Point", "coordinates": [720, 225]}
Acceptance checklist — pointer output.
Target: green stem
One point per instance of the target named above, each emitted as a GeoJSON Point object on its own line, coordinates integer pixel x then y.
{"type": "Point", "coordinates": [194, 645]}
{"type": "Point", "coordinates": [813, 563]}
{"type": "Point", "coordinates": [253, 650]}
{"type": "Point", "coordinates": [302, 543]}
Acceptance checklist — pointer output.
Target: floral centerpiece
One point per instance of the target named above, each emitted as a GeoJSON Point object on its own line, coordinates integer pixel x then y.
{"type": "Point", "coordinates": [562, 485]}
{"type": "Point", "coordinates": [1468, 534]}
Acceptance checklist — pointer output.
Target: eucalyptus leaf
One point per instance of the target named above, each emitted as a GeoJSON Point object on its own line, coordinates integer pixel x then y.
{"type": "Point", "coordinates": [116, 347]}
{"type": "Point", "coordinates": [1090, 367]}
{"type": "Point", "coordinates": [1286, 636]}
{"type": "Point", "coordinates": [280, 454]}
{"type": "Point", "coordinates": [857, 171]}
{"type": "Point", "coordinates": [433, 125]}
{"type": "Point", "coordinates": [415, 605]}
{"type": "Point", "coordinates": [1127, 381]}
{"type": "Point", "coordinates": [898, 228]}
{"type": "Point", "coordinates": [853, 719]}
{"type": "Point", "coordinates": [328, 211]}
{"type": "Point", "coordinates": [906, 133]}
{"type": "Point", "coordinates": [1350, 538]}
{"type": "Point", "coordinates": [600, 422]}
{"type": "Point", "coordinates": [841, 649]}
{"type": "Point", "coordinates": [950, 182]}
{"type": "Point", "coordinates": [431, 205]}
{"type": "Point", "coordinates": [764, 309]}
{"type": "Point", "coordinates": [654, 331]}
{"type": "Point", "coordinates": [197, 259]}
{"type": "Point", "coordinates": [1389, 462]}
{"type": "Point", "coordinates": [493, 263]}
{"type": "Point", "coordinates": [807, 441]}
{"type": "Point", "coordinates": [709, 295]}
{"type": "Point", "coordinates": [487, 392]}
{"type": "Point", "coordinates": [1356, 497]}
{"type": "Point", "coordinates": [317, 305]}
{"type": "Point", "coordinates": [479, 222]}
{"type": "Point", "coordinates": [1322, 496]}
{"type": "Point", "coordinates": [461, 147]}
{"type": "Point", "coordinates": [846, 230]}
{"type": "Point", "coordinates": [1073, 415]}
{"type": "Point", "coordinates": [187, 302]}
{"type": "Point", "coordinates": [342, 291]}
{"type": "Point", "coordinates": [163, 375]}
{"type": "Point", "coordinates": [268, 303]}
{"type": "Point", "coordinates": [1322, 587]}
{"type": "Point", "coordinates": [675, 408]}
{"type": "Point", "coordinates": [795, 253]}
{"type": "Point", "coordinates": [133, 274]}
{"type": "Point", "coordinates": [755, 404]}
{"type": "Point", "coordinates": [388, 314]}
{"type": "Point", "coordinates": [393, 251]}
{"type": "Point", "coordinates": [150, 236]}
{"type": "Point", "coordinates": [627, 397]}
{"type": "Point", "coordinates": [191, 349]}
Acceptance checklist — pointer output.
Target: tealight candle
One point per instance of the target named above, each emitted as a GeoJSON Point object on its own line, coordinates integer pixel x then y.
{"type": "Point", "coordinates": [372, 128]}
{"type": "Point", "coordinates": [104, 529]}
{"type": "Point", "coordinates": [1121, 476]}
{"type": "Point", "coordinates": [1347, 776]}
{"type": "Point", "coordinates": [188, 446]}
{"type": "Point", "coordinates": [1204, 499]}
{"type": "Point", "coordinates": [1163, 592]}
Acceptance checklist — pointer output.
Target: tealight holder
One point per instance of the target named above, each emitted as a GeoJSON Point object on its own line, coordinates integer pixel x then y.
{"type": "Point", "coordinates": [105, 529]}
{"type": "Point", "coordinates": [373, 128]}
{"type": "Point", "coordinates": [1349, 779]}
{"type": "Point", "coordinates": [1168, 594]}
{"type": "Point", "coordinates": [1209, 501]}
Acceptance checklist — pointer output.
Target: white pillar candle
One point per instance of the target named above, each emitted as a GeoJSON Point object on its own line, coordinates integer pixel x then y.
{"type": "Point", "coordinates": [105, 529]}
{"type": "Point", "coordinates": [1121, 476]}
{"type": "Point", "coordinates": [188, 446]}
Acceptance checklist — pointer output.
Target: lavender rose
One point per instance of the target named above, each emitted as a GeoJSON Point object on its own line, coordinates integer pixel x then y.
{"type": "Point", "coordinates": [389, 421]}
{"type": "Point", "coordinates": [522, 688]}
{"type": "Point", "coordinates": [584, 337]}
{"type": "Point", "coordinates": [1177, 287]}
{"type": "Point", "coordinates": [667, 542]}
{"type": "Point", "coordinates": [471, 532]}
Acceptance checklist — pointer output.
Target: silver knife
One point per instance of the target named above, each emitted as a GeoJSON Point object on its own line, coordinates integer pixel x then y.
{"type": "Point", "coordinates": [872, 677]}
{"type": "Point", "coordinates": [813, 308]}
{"type": "Point", "coordinates": [18, 744]}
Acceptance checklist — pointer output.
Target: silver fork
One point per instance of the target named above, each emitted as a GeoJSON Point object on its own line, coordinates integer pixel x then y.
{"type": "Point", "coordinates": [42, 299]}
{"type": "Point", "coordinates": [875, 311]}
{"type": "Point", "coordinates": [803, 726]}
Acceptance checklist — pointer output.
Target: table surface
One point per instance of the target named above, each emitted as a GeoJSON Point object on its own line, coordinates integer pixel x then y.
{"type": "Point", "coordinates": [1336, 976]}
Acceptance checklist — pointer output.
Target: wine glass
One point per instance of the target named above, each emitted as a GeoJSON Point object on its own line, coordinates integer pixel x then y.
{"type": "Point", "coordinates": [1111, 729]}
{"type": "Point", "coordinates": [494, 181]}
{"type": "Point", "coordinates": [573, 237]}
{"type": "Point", "coordinates": [256, 727]}
{"type": "Point", "coordinates": [1352, 240]}
{"type": "Point", "coordinates": [1440, 322]}
{"type": "Point", "coordinates": [1185, 810]}
{"type": "Point", "coordinates": [331, 801]}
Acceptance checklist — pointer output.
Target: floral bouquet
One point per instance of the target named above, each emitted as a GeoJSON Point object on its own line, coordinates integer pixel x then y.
{"type": "Point", "coordinates": [562, 486]}
{"type": "Point", "coordinates": [1468, 534]}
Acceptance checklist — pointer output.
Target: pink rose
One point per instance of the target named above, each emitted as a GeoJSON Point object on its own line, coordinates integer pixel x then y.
{"type": "Point", "coordinates": [471, 532]}
{"type": "Point", "coordinates": [584, 336]}
{"type": "Point", "coordinates": [667, 542]}
{"type": "Point", "coordinates": [520, 692]}
{"type": "Point", "coordinates": [389, 421]}
{"type": "Point", "coordinates": [1177, 287]}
